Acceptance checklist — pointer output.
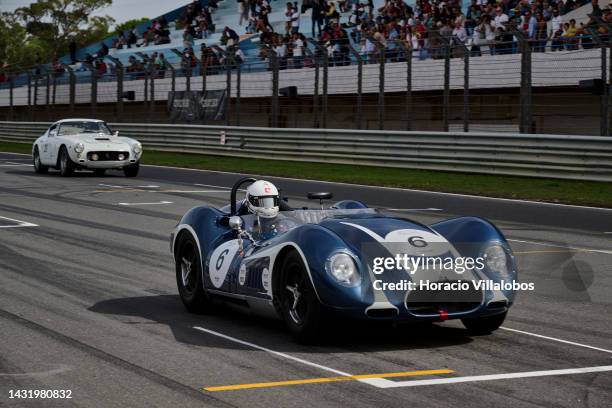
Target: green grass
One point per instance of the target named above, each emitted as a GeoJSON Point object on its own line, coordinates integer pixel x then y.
{"type": "Point", "coordinates": [549, 190]}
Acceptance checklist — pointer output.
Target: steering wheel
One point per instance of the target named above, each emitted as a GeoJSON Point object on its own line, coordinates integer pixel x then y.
{"type": "Point", "coordinates": [235, 190]}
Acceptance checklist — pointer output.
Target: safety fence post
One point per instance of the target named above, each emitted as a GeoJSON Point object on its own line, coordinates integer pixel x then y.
{"type": "Point", "coordinates": [71, 87]}
{"type": "Point", "coordinates": [322, 56]}
{"type": "Point", "coordinates": [407, 49]}
{"type": "Point", "coordinates": [526, 108]}
{"type": "Point", "coordinates": [275, 78]}
{"type": "Point", "coordinates": [11, 102]}
{"type": "Point", "coordinates": [187, 69]}
{"type": "Point", "coordinates": [603, 98]}
{"type": "Point", "coordinates": [118, 71]}
{"type": "Point", "coordinates": [30, 113]}
{"type": "Point", "coordinates": [359, 114]}
{"type": "Point", "coordinates": [466, 82]}
{"type": "Point", "coordinates": [315, 94]}
{"type": "Point", "coordinates": [381, 81]}
{"type": "Point", "coordinates": [94, 89]}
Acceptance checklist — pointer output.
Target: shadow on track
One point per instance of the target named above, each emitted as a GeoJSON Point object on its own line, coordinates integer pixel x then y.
{"type": "Point", "coordinates": [350, 336]}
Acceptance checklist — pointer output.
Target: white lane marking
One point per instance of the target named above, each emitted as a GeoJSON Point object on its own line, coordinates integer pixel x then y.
{"type": "Point", "coordinates": [157, 203]}
{"type": "Point", "coordinates": [608, 232]}
{"type": "Point", "coordinates": [59, 370]}
{"type": "Point", "coordinates": [525, 374]}
{"type": "Point", "coordinates": [413, 209]}
{"type": "Point", "coordinates": [557, 339]}
{"type": "Point", "coordinates": [19, 223]}
{"type": "Point", "coordinates": [371, 381]}
{"type": "Point", "coordinates": [212, 185]}
{"type": "Point", "coordinates": [190, 191]}
{"type": "Point", "coordinates": [129, 186]}
{"type": "Point", "coordinates": [389, 188]}
{"type": "Point", "coordinates": [601, 251]}
{"type": "Point", "coordinates": [15, 165]}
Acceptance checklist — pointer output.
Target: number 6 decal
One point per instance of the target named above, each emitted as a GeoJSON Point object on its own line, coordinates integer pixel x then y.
{"type": "Point", "coordinates": [418, 242]}
{"type": "Point", "coordinates": [221, 258]}
{"type": "Point", "coordinates": [220, 261]}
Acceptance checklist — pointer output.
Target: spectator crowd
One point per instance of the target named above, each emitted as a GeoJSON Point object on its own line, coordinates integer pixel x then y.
{"type": "Point", "coordinates": [343, 28]}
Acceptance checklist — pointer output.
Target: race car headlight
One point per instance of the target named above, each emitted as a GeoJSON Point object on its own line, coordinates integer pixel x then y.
{"type": "Point", "coordinates": [137, 148]}
{"type": "Point", "coordinates": [79, 147]}
{"type": "Point", "coordinates": [342, 267]}
{"type": "Point", "coordinates": [498, 261]}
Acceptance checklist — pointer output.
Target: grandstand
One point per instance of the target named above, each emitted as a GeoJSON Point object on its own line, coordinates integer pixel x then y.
{"type": "Point", "coordinates": [225, 13]}
{"type": "Point", "coordinates": [495, 64]}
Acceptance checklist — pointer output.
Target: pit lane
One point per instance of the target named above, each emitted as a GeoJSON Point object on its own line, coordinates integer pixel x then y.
{"type": "Point", "coordinates": [88, 297]}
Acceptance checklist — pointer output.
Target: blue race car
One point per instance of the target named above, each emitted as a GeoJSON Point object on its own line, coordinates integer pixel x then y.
{"type": "Point", "coordinates": [309, 265]}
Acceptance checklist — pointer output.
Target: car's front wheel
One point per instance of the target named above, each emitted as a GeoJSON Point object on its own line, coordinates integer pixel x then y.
{"type": "Point", "coordinates": [38, 166]}
{"type": "Point", "coordinates": [66, 165]}
{"type": "Point", "coordinates": [189, 275]}
{"type": "Point", "coordinates": [484, 325]}
{"type": "Point", "coordinates": [131, 170]}
{"type": "Point", "coordinates": [299, 304]}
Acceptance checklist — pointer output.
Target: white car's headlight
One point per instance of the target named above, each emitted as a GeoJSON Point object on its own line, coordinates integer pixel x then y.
{"type": "Point", "coordinates": [79, 147]}
{"type": "Point", "coordinates": [498, 261]}
{"type": "Point", "coordinates": [137, 148]}
{"type": "Point", "coordinates": [342, 267]}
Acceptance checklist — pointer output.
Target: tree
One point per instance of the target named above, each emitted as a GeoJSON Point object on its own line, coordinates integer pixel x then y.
{"type": "Point", "coordinates": [16, 50]}
{"type": "Point", "coordinates": [51, 25]}
{"type": "Point", "coordinates": [128, 25]}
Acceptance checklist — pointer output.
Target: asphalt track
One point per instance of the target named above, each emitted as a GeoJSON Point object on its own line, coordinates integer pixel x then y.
{"type": "Point", "coordinates": [88, 303]}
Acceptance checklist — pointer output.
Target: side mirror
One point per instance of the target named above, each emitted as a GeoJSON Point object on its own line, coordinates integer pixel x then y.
{"type": "Point", "coordinates": [235, 223]}
{"type": "Point", "coordinates": [116, 133]}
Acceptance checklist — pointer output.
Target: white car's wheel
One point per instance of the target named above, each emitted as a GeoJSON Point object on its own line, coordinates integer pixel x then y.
{"type": "Point", "coordinates": [66, 164]}
{"type": "Point", "coordinates": [131, 170]}
{"type": "Point", "coordinates": [38, 166]}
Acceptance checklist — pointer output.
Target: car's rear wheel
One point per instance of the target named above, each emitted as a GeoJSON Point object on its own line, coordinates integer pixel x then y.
{"type": "Point", "coordinates": [66, 165]}
{"type": "Point", "coordinates": [38, 166]}
{"type": "Point", "coordinates": [484, 325]}
{"type": "Point", "coordinates": [299, 305]}
{"type": "Point", "coordinates": [189, 275]}
{"type": "Point", "coordinates": [100, 172]}
{"type": "Point", "coordinates": [131, 170]}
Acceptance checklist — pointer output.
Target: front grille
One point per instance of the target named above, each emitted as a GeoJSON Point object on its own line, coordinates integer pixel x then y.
{"type": "Point", "coordinates": [108, 156]}
{"type": "Point", "coordinates": [431, 302]}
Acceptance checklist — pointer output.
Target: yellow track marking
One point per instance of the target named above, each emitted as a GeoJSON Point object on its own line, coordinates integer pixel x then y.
{"type": "Point", "coordinates": [325, 380]}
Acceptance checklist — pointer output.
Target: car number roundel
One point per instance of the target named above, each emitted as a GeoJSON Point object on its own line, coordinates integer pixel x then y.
{"type": "Point", "coordinates": [418, 241]}
{"type": "Point", "coordinates": [220, 262]}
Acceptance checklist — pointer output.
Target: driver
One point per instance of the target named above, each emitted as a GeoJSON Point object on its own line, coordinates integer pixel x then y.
{"type": "Point", "coordinates": [262, 200]}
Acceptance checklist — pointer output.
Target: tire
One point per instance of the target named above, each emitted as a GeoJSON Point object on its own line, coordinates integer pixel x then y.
{"type": "Point", "coordinates": [38, 166]}
{"type": "Point", "coordinates": [484, 325]}
{"type": "Point", "coordinates": [189, 275]}
{"type": "Point", "coordinates": [99, 172]}
{"type": "Point", "coordinates": [303, 316]}
{"type": "Point", "coordinates": [66, 165]}
{"type": "Point", "coordinates": [131, 170]}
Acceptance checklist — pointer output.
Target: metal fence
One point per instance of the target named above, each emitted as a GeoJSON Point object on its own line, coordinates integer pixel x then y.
{"type": "Point", "coordinates": [443, 84]}
{"type": "Point", "coordinates": [555, 156]}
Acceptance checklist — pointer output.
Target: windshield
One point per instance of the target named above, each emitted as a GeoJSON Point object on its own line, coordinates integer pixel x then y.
{"type": "Point", "coordinates": [73, 128]}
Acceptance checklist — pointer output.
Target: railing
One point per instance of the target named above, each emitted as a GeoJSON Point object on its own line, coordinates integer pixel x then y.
{"type": "Point", "coordinates": [554, 156]}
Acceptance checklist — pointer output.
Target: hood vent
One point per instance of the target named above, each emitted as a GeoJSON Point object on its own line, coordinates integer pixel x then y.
{"type": "Point", "coordinates": [101, 138]}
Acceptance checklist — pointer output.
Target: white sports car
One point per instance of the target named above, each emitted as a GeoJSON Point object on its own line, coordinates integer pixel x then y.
{"type": "Point", "coordinates": [85, 144]}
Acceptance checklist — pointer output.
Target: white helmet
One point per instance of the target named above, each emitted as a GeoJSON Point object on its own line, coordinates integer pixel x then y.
{"type": "Point", "coordinates": [262, 199]}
